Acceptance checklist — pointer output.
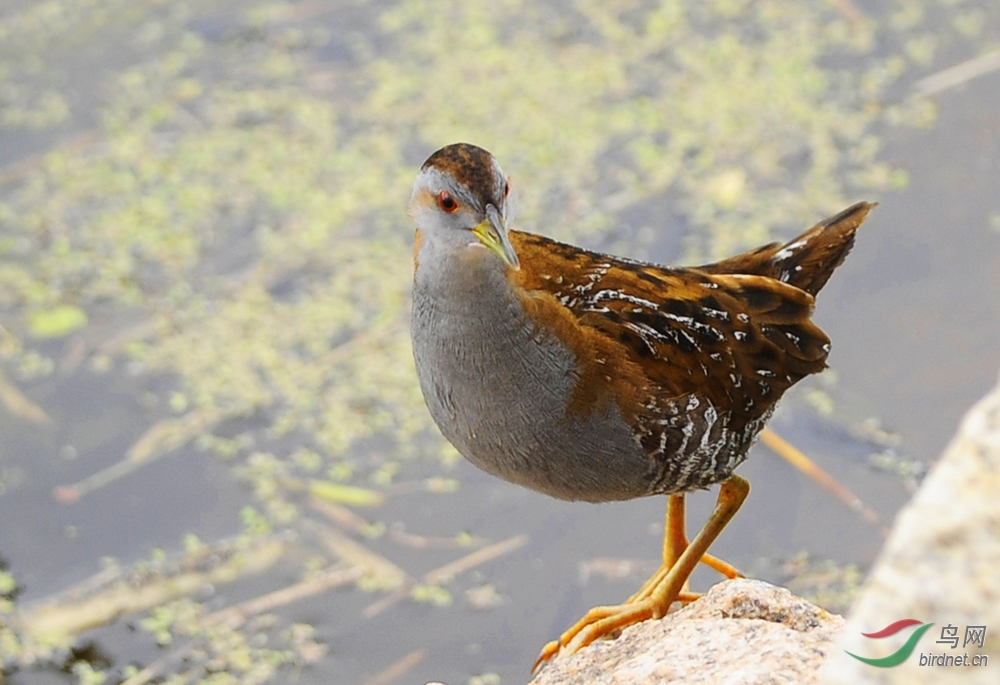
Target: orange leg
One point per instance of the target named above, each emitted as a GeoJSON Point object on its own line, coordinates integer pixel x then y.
{"type": "Point", "coordinates": [674, 543]}
{"type": "Point", "coordinates": [667, 585]}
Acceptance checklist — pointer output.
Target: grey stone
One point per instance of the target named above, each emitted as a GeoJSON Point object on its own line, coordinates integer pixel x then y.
{"type": "Point", "coordinates": [941, 564]}
{"type": "Point", "coordinates": [742, 632]}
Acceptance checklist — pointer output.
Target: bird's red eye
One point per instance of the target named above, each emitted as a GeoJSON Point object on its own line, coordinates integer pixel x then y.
{"type": "Point", "coordinates": [447, 202]}
{"type": "Point", "coordinates": [506, 188]}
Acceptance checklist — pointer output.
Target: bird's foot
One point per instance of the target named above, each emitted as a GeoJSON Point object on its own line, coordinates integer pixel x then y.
{"type": "Point", "coordinates": [666, 586]}
{"type": "Point", "coordinates": [607, 621]}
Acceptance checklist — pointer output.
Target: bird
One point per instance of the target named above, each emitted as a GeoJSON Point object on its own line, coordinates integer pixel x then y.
{"type": "Point", "coordinates": [590, 377]}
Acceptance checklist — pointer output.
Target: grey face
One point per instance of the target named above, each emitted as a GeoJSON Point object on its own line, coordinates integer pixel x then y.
{"type": "Point", "coordinates": [462, 190]}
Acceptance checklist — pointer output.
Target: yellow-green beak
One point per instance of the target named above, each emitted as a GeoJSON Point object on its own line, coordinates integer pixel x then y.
{"type": "Point", "coordinates": [492, 233]}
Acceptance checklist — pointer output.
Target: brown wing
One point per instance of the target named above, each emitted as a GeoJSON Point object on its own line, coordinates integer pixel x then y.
{"type": "Point", "coordinates": [737, 339]}
{"type": "Point", "coordinates": [736, 332]}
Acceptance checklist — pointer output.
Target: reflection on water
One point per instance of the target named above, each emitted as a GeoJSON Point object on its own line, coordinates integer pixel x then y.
{"type": "Point", "coordinates": [203, 306]}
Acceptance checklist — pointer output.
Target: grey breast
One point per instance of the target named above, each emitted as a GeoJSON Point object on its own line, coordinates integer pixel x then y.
{"type": "Point", "coordinates": [498, 388]}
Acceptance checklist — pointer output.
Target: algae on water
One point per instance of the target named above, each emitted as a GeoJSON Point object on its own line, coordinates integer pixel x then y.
{"type": "Point", "coordinates": [230, 211]}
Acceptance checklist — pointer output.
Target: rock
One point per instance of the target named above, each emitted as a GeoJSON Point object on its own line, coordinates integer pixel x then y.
{"type": "Point", "coordinates": [941, 564]}
{"type": "Point", "coordinates": [742, 632]}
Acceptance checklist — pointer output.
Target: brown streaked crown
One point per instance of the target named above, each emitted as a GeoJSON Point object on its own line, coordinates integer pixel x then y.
{"type": "Point", "coordinates": [470, 165]}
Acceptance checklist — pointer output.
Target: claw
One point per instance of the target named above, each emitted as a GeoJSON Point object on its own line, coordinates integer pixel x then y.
{"type": "Point", "coordinates": [548, 651]}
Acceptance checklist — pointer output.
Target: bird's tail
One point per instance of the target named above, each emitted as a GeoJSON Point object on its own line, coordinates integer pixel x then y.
{"type": "Point", "coordinates": [807, 261]}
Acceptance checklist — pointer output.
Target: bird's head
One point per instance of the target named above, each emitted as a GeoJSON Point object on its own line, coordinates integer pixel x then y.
{"type": "Point", "coordinates": [460, 198]}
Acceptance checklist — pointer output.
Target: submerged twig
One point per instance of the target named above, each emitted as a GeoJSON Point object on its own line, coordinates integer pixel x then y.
{"type": "Point", "coordinates": [341, 515]}
{"type": "Point", "coordinates": [376, 568]}
{"type": "Point", "coordinates": [445, 573]}
{"type": "Point", "coordinates": [793, 456]}
{"type": "Point", "coordinates": [959, 74]}
{"type": "Point", "coordinates": [161, 438]}
{"type": "Point", "coordinates": [335, 576]}
{"type": "Point", "coordinates": [612, 569]}
{"type": "Point", "coordinates": [19, 405]}
{"type": "Point", "coordinates": [398, 669]}
{"type": "Point", "coordinates": [117, 342]}
{"type": "Point", "coordinates": [354, 523]}
{"type": "Point", "coordinates": [68, 617]}
{"type": "Point", "coordinates": [74, 145]}
{"type": "Point", "coordinates": [400, 536]}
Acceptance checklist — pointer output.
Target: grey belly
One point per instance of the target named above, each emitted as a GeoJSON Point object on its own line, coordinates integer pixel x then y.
{"type": "Point", "coordinates": [501, 400]}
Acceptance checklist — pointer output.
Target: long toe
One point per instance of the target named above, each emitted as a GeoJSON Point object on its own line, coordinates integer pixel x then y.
{"type": "Point", "coordinates": [599, 622]}
{"type": "Point", "coordinates": [722, 566]}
